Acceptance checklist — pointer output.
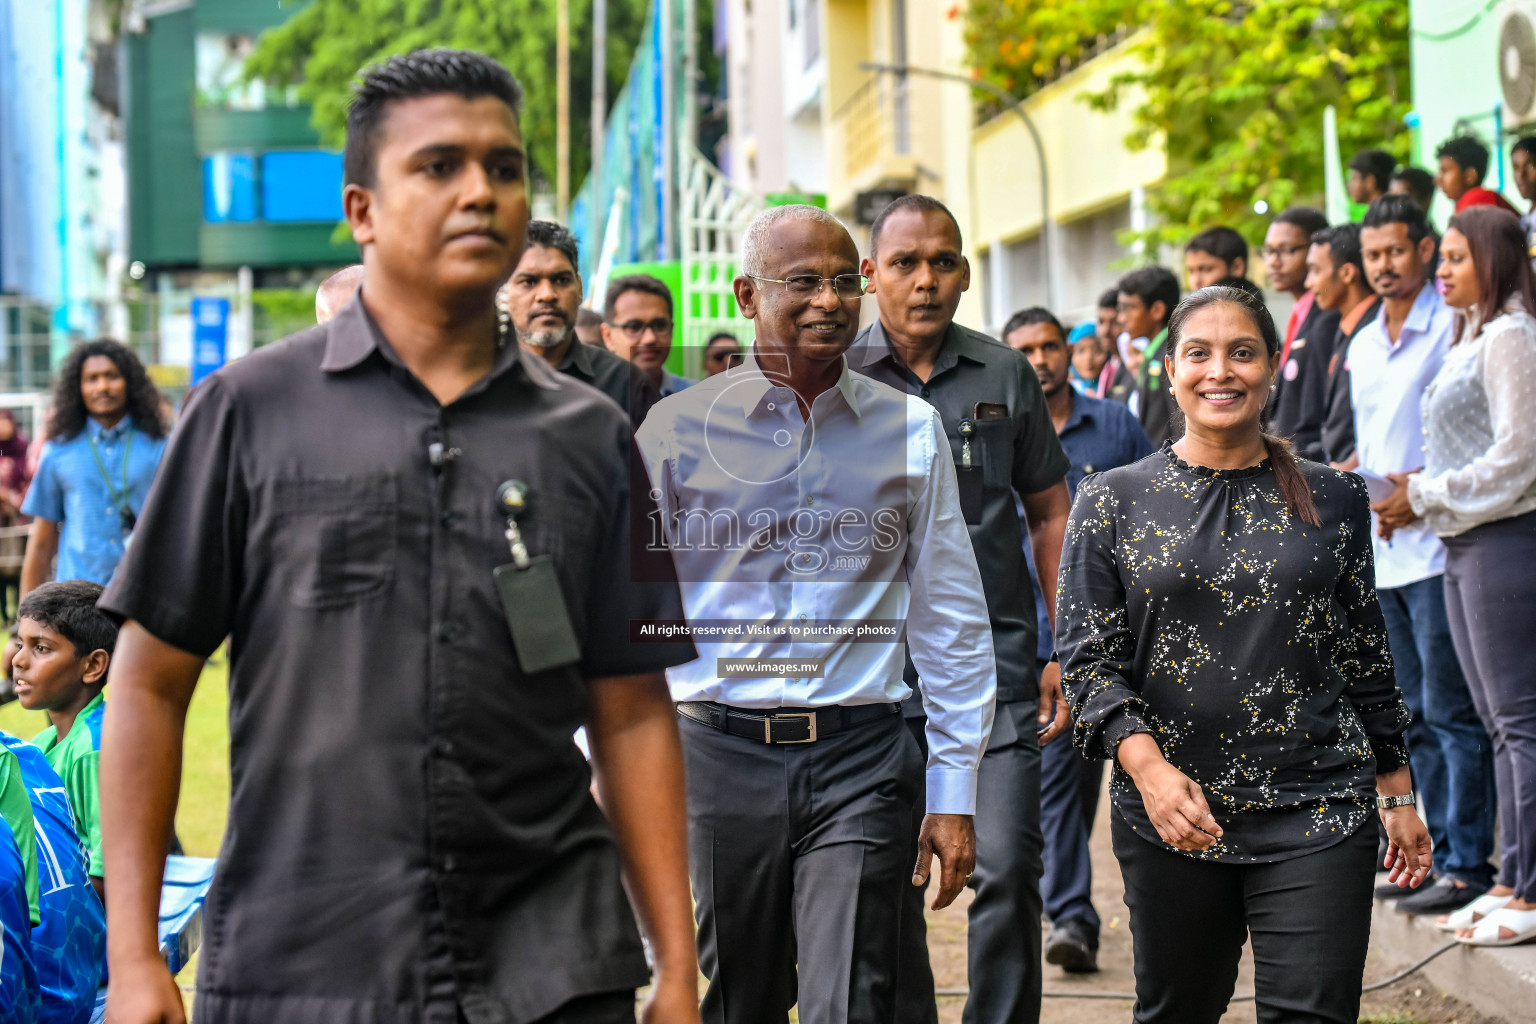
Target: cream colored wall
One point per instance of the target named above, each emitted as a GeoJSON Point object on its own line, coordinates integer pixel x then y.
{"type": "Point", "coordinates": [846, 42]}
{"type": "Point", "coordinates": [1087, 161]}
{"type": "Point", "coordinates": [952, 142]}
{"type": "Point", "coordinates": [987, 175]}
{"type": "Point", "coordinates": [859, 30]}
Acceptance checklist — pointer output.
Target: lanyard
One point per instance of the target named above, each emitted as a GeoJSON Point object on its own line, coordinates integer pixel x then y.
{"type": "Point", "coordinates": [119, 498]}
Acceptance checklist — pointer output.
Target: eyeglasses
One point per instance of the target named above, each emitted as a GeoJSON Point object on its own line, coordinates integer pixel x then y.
{"type": "Point", "coordinates": [721, 354]}
{"type": "Point", "coordinates": [804, 286]}
{"type": "Point", "coordinates": [1285, 252]}
{"type": "Point", "coordinates": [661, 327]}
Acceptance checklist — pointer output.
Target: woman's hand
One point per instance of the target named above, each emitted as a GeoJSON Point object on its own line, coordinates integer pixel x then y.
{"type": "Point", "coordinates": [1409, 851]}
{"type": "Point", "coordinates": [1395, 511]}
{"type": "Point", "coordinates": [1173, 800]}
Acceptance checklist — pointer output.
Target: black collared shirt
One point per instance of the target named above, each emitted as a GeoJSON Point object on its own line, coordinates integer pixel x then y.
{"type": "Point", "coordinates": [410, 829]}
{"type": "Point", "coordinates": [1299, 405]}
{"type": "Point", "coordinates": [1019, 452]}
{"type": "Point", "coordinates": [617, 378]}
{"type": "Point", "coordinates": [1339, 424]}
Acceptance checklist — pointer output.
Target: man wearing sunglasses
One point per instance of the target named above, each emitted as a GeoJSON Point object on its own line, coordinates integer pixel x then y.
{"type": "Point", "coordinates": [721, 352]}
{"type": "Point", "coordinates": [637, 325]}
{"type": "Point", "coordinates": [1001, 440]}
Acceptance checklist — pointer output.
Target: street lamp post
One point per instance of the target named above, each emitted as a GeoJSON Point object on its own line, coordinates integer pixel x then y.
{"type": "Point", "coordinates": [1047, 225]}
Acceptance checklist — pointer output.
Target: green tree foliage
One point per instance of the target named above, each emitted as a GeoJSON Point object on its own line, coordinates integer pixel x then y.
{"type": "Point", "coordinates": [1234, 92]}
{"type": "Point", "coordinates": [1020, 44]}
{"type": "Point", "coordinates": [322, 47]}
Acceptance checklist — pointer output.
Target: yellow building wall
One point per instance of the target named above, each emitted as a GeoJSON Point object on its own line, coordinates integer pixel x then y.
{"type": "Point", "coordinates": [845, 40]}
{"type": "Point", "coordinates": [988, 174]}
{"type": "Point", "coordinates": [938, 161]}
{"type": "Point", "coordinates": [1086, 158]}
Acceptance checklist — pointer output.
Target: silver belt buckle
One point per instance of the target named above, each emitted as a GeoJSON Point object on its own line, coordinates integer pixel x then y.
{"type": "Point", "coordinates": [809, 716]}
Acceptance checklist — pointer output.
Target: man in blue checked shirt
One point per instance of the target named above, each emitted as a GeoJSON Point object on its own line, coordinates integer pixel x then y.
{"type": "Point", "coordinates": [105, 439]}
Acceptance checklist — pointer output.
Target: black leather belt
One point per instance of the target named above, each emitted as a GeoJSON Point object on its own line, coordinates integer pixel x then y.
{"type": "Point", "coordinates": [784, 726]}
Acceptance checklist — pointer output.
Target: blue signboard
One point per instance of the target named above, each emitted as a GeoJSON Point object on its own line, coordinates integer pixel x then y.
{"type": "Point", "coordinates": [210, 336]}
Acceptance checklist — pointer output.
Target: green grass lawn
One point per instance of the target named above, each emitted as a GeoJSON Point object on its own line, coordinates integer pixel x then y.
{"type": "Point", "coordinates": [205, 766]}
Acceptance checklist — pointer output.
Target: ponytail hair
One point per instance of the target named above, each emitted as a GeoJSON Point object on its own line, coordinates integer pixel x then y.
{"type": "Point", "coordinates": [1291, 481]}
{"type": "Point", "coordinates": [1282, 458]}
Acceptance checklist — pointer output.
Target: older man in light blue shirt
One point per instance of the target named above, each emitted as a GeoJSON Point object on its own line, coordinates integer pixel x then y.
{"type": "Point", "coordinates": [1392, 361]}
{"type": "Point", "coordinates": [814, 519]}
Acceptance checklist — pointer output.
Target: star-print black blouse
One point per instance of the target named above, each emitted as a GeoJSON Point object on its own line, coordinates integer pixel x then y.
{"type": "Point", "coordinates": [1194, 607]}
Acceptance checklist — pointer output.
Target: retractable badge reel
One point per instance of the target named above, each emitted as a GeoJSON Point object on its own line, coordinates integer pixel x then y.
{"type": "Point", "coordinates": [530, 593]}
{"type": "Point", "coordinates": [968, 477]}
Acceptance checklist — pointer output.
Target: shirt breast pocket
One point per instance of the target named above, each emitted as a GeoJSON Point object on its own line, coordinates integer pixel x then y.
{"type": "Point", "coordinates": [995, 440]}
{"type": "Point", "coordinates": [340, 536]}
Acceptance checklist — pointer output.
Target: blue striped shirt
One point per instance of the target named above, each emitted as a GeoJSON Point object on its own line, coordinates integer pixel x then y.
{"type": "Point", "coordinates": [71, 489]}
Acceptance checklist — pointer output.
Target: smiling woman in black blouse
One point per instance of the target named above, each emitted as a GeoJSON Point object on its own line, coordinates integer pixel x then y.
{"type": "Point", "coordinates": [1221, 642]}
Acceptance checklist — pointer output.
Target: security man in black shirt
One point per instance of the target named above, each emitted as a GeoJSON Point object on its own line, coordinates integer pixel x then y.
{"type": "Point", "coordinates": [543, 299]}
{"type": "Point", "coordinates": [418, 540]}
{"type": "Point", "coordinates": [1002, 439]}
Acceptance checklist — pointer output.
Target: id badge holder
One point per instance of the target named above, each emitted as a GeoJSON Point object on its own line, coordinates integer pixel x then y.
{"type": "Point", "coordinates": [531, 597]}
{"type": "Point", "coordinates": [969, 478]}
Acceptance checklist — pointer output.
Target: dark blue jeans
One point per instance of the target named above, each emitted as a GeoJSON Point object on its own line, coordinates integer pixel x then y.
{"type": "Point", "coordinates": [1448, 748]}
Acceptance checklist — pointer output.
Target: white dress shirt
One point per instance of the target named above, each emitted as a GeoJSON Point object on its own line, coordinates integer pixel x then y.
{"type": "Point", "coordinates": [851, 519]}
{"type": "Point", "coordinates": [1480, 428]}
{"type": "Point", "coordinates": [1386, 384]}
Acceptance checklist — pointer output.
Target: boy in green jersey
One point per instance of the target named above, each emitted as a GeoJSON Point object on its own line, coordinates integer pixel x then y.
{"type": "Point", "coordinates": [60, 667]}
{"type": "Point", "coordinates": [16, 809]}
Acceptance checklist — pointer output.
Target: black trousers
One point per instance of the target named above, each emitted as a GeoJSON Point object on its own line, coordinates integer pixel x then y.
{"type": "Point", "coordinates": [1003, 942]}
{"type": "Point", "coordinates": [602, 1008]}
{"type": "Point", "coordinates": [1309, 919]}
{"type": "Point", "coordinates": [798, 855]}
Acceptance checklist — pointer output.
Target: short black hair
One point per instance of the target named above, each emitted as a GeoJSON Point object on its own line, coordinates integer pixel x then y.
{"type": "Point", "coordinates": [1309, 219]}
{"type": "Point", "coordinates": [1242, 284]}
{"type": "Point", "coordinates": [1420, 183]}
{"type": "Point", "coordinates": [1343, 242]}
{"type": "Point", "coordinates": [1374, 163]}
{"type": "Point", "coordinates": [1033, 315]}
{"type": "Point", "coordinates": [1152, 284]}
{"type": "Point", "coordinates": [588, 317]}
{"type": "Point", "coordinates": [1466, 152]}
{"type": "Point", "coordinates": [634, 283]}
{"type": "Point", "coordinates": [409, 76]}
{"type": "Point", "coordinates": [1526, 145]}
{"type": "Point", "coordinates": [1109, 298]}
{"type": "Point", "coordinates": [723, 336]}
{"type": "Point", "coordinates": [1222, 242]}
{"type": "Point", "coordinates": [1394, 208]}
{"type": "Point", "coordinates": [922, 204]}
{"type": "Point", "coordinates": [548, 235]}
{"type": "Point", "coordinates": [68, 607]}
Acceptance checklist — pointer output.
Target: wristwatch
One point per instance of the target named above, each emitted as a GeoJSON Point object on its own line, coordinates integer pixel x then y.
{"type": "Point", "coordinates": [1386, 803]}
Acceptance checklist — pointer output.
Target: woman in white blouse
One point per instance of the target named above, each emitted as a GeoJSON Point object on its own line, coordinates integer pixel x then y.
{"type": "Point", "coordinates": [1478, 492]}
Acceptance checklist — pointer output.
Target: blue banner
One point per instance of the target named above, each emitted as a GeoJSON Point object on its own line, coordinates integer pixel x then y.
{"type": "Point", "coordinates": [210, 336]}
